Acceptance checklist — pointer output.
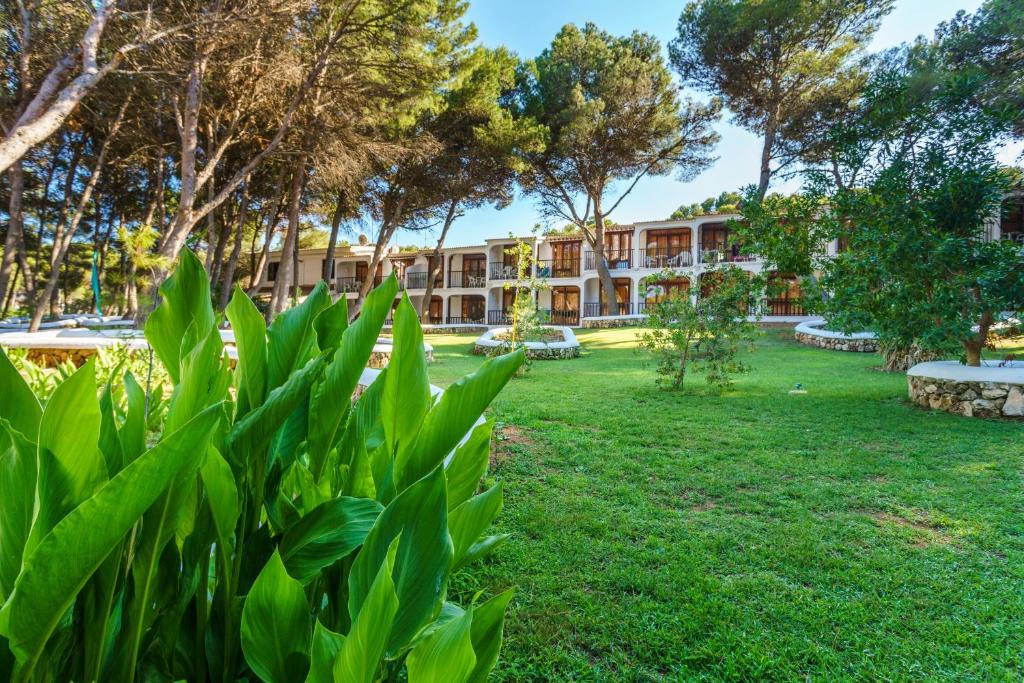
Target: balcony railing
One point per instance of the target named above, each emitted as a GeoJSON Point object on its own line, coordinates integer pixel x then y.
{"type": "Point", "coordinates": [499, 317]}
{"type": "Point", "coordinates": [564, 267]}
{"type": "Point", "coordinates": [416, 280]}
{"type": "Point", "coordinates": [782, 307]}
{"type": "Point", "coordinates": [561, 316]}
{"type": "Point", "coordinates": [724, 254]}
{"type": "Point", "coordinates": [348, 284]}
{"type": "Point", "coordinates": [468, 278]}
{"type": "Point", "coordinates": [594, 309]}
{"type": "Point", "coordinates": [666, 258]}
{"type": "Point", "coordinates": [502, 271]}
{"type": "Point", "coordinates": [464, 320]}
{"type": "Point", "coordinates": [617, 259]}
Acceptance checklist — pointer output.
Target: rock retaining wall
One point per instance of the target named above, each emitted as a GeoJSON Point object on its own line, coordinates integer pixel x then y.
{"type": "Point", "coordinates": [569, 347]}
{"type": "Point", "coordinates": [812, 334]}
{"type": "Point", "coordinates": [610, 321]}
{"type": "Point", "coordinates": [934, 386]}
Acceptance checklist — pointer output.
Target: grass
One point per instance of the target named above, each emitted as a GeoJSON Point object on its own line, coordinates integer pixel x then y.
{"type": "Point", "coordinates": [754, 534]}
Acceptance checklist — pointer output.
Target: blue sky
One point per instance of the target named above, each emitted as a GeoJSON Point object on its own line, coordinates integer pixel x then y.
{"type": "Point", "coordinates": [527, 27]}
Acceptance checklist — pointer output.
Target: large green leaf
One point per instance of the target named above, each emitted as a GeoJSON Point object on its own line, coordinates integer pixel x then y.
{"type": "Point", "coordinates": [325, 649]}
{"type": "Point", "coordinates": [204, 379]}
{"type": "Point", "coordinates": [292, 337]}
{"type": "Point", "coordinates": [334, 392]}
{"type": "Point", "coordinates": [360, 654]}
{"type": "Point", "coordinates": [254, 431]}
{"type": "Point", "coordinates": [251, 341]}
{"type": "Point", "coordinates": [330, 324]}
{"type": "Point", "coordinates": [276, 625]}
{"type": "Point", "coordinates": [221, 494]}
{"type": "Point", "coordinates": [185, 302]}
{"type": "Point", "coordinates": [132, 433]}
{"type": "Point", "coordinates": [468, 521]}
{"type": "Point", "coordinates": [419, 517]}
{"type": "Point", "coordinates": [468, 465]}
{"type": "Point", "coordinates": [18, 405]}
{"type": "Point", "coordinates": [70, 465]}
{"type": "Point", "coordinates": [327, 533]}
{"type": "Point", "coordinates": [488, 630]}
{"type": "Point", "coordinates": [50, 580]}
{"type": "Point", "coordinates": [447, 422]}
{"type": "Point", "coordinates": [446, 655]}
{"type": "Point", "coordinates": [406, 396]}
{"type": "Point", "coordinates": [18, 484]}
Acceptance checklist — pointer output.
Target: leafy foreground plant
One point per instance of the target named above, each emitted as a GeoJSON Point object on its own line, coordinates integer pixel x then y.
{"type": "Point", "coordinates": [270, 527]}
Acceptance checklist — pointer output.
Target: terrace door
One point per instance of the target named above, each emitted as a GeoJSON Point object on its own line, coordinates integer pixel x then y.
{"type": "Point", "coordinates": [473, 309]}
{"type": "Point", "coordinates": [474, 270]}
{"type": "Point", "coordinates": [622, 296]}
{"type": "Point", "coordinates": [664, 248]}
{"type": "Point", "coordinates": [436, 310]}
{"type": "Point", "coordinates": [566, 259]}
{"type": "Point", "coordinates": [509, 263]}
{"type": "Point", "coordinates": [565, 305]}
{"type": "Point", "coordinates": [617, 250]}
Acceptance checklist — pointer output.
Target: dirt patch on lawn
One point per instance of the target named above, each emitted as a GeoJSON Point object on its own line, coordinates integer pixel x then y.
{"type": "Point", "coordinates": [925, 532]}
{"type": "Point", "coordinates": [507, 440]}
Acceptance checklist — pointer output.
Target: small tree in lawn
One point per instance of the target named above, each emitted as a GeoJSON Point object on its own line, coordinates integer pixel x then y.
{"type": "Point", "coordinates": [708, 335]}
{"type": "Point", "coordinates": [526, 322]}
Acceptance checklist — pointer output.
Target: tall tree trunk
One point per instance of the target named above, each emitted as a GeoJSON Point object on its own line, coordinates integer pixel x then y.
{"type": "Point", "coordinates": [435, 260]}
{"type": "Point", "coordinates": [603, 274]}
{"type": "Point", "coordinates": [236, 250]}
{"type": "Point", "coordinates": [770, 131]}
{"type": "Point", "coordinates": [976, 344]}
{"type": "Point", "coordinates": [283, 281]}
{"type": "Point", "coordinates": [61, 247]}
{"type": "Point", "coordinates": [273, 217]}
{"type": "Point", "coordinates": [332, 241]}
{"type": "Point", "coordinates": [14, 243]}
{"type": "Point", "coordinates": [223, 235]}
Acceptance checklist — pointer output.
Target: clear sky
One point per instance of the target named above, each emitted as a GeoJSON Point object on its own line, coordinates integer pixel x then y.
{"type": "Point", "coordinates": [527, 27]}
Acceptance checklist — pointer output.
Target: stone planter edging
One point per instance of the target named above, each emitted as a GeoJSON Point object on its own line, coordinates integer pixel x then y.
{"type": "Point", "coordinates": [812, 333]}
{"type": "Point", "coordinates": [569, 348]}
{"type": "Point", "coordinates": [605, 322]}
{"type": "Point", "coordinates": [991, 390]}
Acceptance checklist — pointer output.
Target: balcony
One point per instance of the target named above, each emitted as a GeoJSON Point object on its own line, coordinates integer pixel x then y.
{"type": "Point", "coordinates": [346, 285]}
{"type": "Point", "coordinates": [782, 307]}
{"type": "Point", "coordinates": [467, 279]}
{"type": "Point", "coordinates": [565, 267]}
{"type": "Point", "coordinates": [561, 317]}
{"type": "Point", "coordinates": [500, 270]}
{"type": "Point", "coordinates": [717, 253]}
{"type": "Point", "coordinates": [658, 259]}
{"type": "Point", "coordinates": [594, 309]}
{"type": "Point", "coordinates": [416, 280]}
{"type": "Point", "coordinates": [617, 259]}
{"type": "Point", "coordinates": [464, 320]}
{"type": "Point", "coordinates": [499, 318]}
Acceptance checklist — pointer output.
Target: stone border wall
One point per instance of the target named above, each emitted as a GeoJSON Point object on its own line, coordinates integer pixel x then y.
{"type": "Point", "coordinates": [570, 348]}
{"type": "Point", "coordinates": [606, 322]}
{"type": "Point", "coordinates": [988, 391]}
{"type": "Point", "coordinates": [812, 334]}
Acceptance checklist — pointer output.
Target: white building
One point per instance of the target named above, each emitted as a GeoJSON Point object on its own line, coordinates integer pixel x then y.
{"type": "Point", "coordinates": [471, 287]}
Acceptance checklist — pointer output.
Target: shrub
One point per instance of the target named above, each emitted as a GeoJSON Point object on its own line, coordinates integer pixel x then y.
{"type": "Point", "coordinates": [705, 335]}
{"type": "Point", "coordinates": [267, 526]}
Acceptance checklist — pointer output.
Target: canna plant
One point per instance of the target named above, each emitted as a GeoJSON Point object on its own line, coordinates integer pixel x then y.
{"type": "Point", "coordinates": [277, 521]}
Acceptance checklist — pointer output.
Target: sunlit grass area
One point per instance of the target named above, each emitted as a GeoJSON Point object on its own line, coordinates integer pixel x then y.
{"type": "Point", "coordinates": [843, 533]}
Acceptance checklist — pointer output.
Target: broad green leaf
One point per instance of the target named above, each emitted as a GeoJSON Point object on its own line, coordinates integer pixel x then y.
{"type": "Point", "coordinates": [487, 633]}
{"type": "Point", "coordinates": [203, 381]}
{"type": "Point", "coordinates": [326, 534]}
{"type": "Point", "coordinates": [49, 582]}
{"type": "Point", "coordinates": [334, 392]}
{"type": "Point", "coordinates": [254, 431]}
{"type": "Point", "coordinates": [185, 302]}
{"type": "Point", "coordinates": [446, 655]}
{"type": "Point", "coordinates": [360, 654]}
{"type": "Point", "coordinates": [70, 465]}
{"type": "Point", "coordinates": [18, 405]}
{"type": "Point", "coordinates": [132, 433]}
{"type": "Point", "coordinates": [363, 420]}
{"type": "Point", "coordinates": [468, 521]}
{"type": "Point", "coordinates": [406, 396]}
{"type": "Point", "coordinates": [325, 649]}
{"type": "Point", "coordinates": [221, 494]}
{"type": "Point", "coordinates": [330, 324]}
{"type": "Point", "coordinates": [419, 517]}
{"type": "Point", "coordinates": [481, 548]}
{"type": "Point", "coordinates": [292, 338]}
{"type": "Point", "coordinates": [18, 484]}
{"type": "Point", "coordinates": [468, 465]}
{"type": "Point", "coordinates": [251, 341]}
{"type": "Point", "coordinates": [109, 444]}
{"type": "Point", "coordinates": [447, 422]}
{"type": "Point", "coordinates": [276, 627]}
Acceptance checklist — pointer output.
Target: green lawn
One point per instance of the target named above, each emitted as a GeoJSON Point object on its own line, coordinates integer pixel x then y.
{"type": "Point", "coordinates": [842, 534]}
